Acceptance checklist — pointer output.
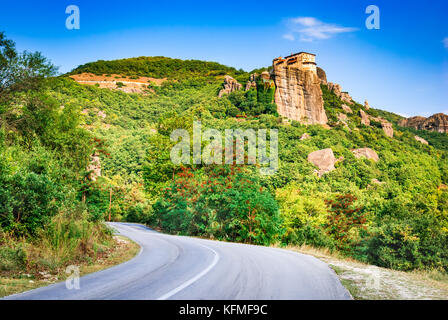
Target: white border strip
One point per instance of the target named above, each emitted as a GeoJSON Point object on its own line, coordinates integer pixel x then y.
{"type": "Point", "coordinates": [194, 279]}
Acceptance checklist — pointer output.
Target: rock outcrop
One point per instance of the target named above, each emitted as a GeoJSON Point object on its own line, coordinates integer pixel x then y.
{"type": "Point", "coordinates": [298, 94]}
{"type": "Point", "coordinates": [346, 108]}
{"type": "Point", "coordinates": [337, 90]}
{"type": "Point", "coordinates": [387, 128]}
{"type": "Point", "coordinates": [322, 75]}
{"type": "Point", "coordinates": [230, 85]}
{"type": "Point", "coordinates": [385, 125]}
{"type": "Point", "coordinates": [342, 117]}
{"type": "Point", "coordinates": [437, 122]}
{"type": "Point", "coordinates": [419, 139]}
{"type": "Point", "coordinates": [252, 84]}
{"type": "Point", "coordinates": [367, 153]}
{"type": "Point", "coordinates": [365, 119]}
{"type": "Point", "coordinates": [323, 159]}
{"type": "Point", "coordinates": [366, 105]}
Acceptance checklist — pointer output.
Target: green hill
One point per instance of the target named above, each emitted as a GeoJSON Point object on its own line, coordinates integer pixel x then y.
{"type": "Point", "coordinates": [158, 67]}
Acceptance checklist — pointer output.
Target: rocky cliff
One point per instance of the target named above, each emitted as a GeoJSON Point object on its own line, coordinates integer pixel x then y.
{"type": "Point", "coordinates": [437, 122]}
{"type": "Point", "coordinates": [298, 94]}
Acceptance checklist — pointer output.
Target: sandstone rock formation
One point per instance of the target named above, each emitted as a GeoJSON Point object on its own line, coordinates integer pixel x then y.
{"type": "Point", "coordinates": [365, 120]}
{"type": "Point", "coordinates": [346, 97]}
{"type": "Point", "coordinates": [366, 105]}
{"type": "Point", "coordinates": [323, 159]}
{"type": "Point", "coordinates": [322, 75]}
{"type": "Point", "coordinates": [385, 125]}
{"type": "Point", "coordinates": [230, 85]}
{"type": "Point", "coordinates": [346, 108]}
{"type": "Point", "coordinates": [298, 94]}
{"type": "Point", "coordinates": [265, 75]}
{"type": "Point", "coordinates": [437, 122]}
{"type": "Point", "coordinates": [419, 139]}
{"type": "Point", "coordinates": [387, 128]}
{"type": "Point", "coordinates": [337, 90]}
{"type": "Point", "coordinates": [251, 84]}
{"type": "Point", "coordinates": [366, 152]}
{"type": "Point", "coordinates": [342, 117]}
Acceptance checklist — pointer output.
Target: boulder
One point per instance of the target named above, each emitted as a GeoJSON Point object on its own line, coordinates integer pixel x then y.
{"type": "Point", "coordinates": [323, 159]}
{"type": "Point", "coordinates": [342, 117]}
{"type": "Point", "coordinates": [367, 153]}
{"type": "Point", "coordinates": [419, 139]}
{"type": "Point", "coordinates": [346, 108]}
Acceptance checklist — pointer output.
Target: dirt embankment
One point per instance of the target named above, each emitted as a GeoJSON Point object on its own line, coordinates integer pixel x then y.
{"type": "Point", "coordinates": [118, 82]}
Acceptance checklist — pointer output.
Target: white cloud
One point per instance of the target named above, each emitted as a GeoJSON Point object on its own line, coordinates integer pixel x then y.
{"type": "Point", "coordinates": [289, 37]}
{"type": "Point", "coordinates": [445, 42]}
{"type": "Point", "coordinates": [310, 29]}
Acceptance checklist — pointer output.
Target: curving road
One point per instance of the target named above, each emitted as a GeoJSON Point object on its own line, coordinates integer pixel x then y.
{"type": "Point", "coordinates": [175, 267]}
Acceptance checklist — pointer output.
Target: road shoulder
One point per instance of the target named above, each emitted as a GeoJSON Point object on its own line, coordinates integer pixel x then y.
{"type": "Point", "coordinates": [123, 250]}
{"type": "Point", "coordinates": [368, 282]}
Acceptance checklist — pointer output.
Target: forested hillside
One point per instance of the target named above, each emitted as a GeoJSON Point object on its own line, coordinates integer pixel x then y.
{"type": "Point", "coordinates": [159, 67]}
{"type": "Point", "coordinates": [44, 153]}
{"type": "Point", "coordinates": [391, 213]}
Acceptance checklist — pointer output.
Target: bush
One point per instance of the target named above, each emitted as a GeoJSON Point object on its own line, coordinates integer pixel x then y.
{"type": "Point", "coordinates": [225, 203]}
{"type": "Point", "coordinates": [416, 243]}
{"type": "Point", "coordinates": [27, 202]}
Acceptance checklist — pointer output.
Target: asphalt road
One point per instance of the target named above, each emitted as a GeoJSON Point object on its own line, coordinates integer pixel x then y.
{"type": "Point", "coordinates": [174, 267]}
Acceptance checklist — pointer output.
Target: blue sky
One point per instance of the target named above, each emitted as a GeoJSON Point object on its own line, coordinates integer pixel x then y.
{"type": "Point", "coordinates": [402, 67]}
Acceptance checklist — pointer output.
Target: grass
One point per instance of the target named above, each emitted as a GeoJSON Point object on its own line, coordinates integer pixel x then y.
{"type": "Point", "coordinates": [121, 250]}
{"type": "Point", "coordinates": [367, 282]}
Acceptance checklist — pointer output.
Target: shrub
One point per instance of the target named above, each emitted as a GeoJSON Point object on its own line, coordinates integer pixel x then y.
{"type": "Point", "coordinates": [344, 221]}
{"type": "Point", "coordinates": [27, 202]}
{"type": "Point", "coordinates": [226, 203]}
